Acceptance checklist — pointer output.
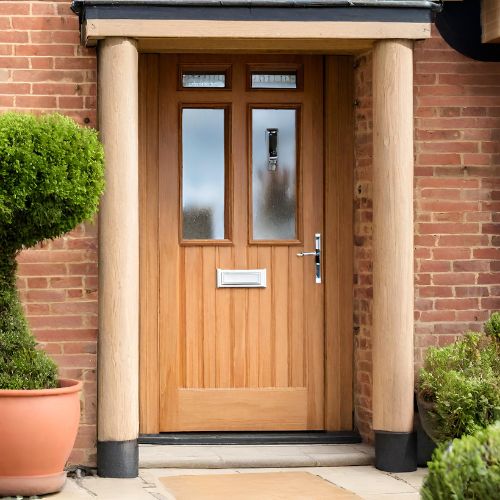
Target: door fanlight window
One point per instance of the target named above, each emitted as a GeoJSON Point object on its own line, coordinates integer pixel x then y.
{"type": "Point", "coordinates": [203, 80]}
{"type": "Point", "coordinates": [268, 80]}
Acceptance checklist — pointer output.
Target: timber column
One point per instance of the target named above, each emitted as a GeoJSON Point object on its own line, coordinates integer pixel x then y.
{"type": "Point", "coordinates": [118, 345]}
{"type": "Point", "coordinates": [395, 442]}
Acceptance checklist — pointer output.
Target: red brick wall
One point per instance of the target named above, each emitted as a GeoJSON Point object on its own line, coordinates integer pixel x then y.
{"type": "Point", "coordinates": [457, 200]}
{"type": "Point", "coordinates": [457, 110]}
{"type": "Point", "coordinates": [43, 68]}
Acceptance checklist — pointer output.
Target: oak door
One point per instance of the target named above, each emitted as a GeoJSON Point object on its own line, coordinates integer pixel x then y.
{"type": "Point", "coordinates": [240, 188]}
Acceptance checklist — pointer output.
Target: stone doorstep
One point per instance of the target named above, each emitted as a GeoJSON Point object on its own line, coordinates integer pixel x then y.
{"type": "Point", "coordinates": [254, 456]}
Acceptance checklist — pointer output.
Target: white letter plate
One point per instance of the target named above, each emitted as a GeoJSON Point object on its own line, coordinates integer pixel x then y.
{"type": "Point", "coordinates": [241, 278]}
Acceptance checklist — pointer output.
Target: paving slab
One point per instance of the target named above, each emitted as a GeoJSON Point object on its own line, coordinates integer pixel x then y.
{"type": "Point", "coordinates": [365, 481]}
{"type": "Point", "coordinates": [251, 456]}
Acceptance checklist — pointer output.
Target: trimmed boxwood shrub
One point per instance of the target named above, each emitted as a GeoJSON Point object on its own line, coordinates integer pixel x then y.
{"type": "Point", "coordinates": [492, 326]}
{"type": "Point", "coordinates": [468, 468]}
{"type": "Point", "coordinates": [51, 178]}
{"type": "Point", "coordinates": [462, 383]}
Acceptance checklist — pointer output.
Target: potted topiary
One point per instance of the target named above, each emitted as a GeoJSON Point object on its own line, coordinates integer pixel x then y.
{"type": "Point", "coordinates": [459, 387]}
{"type": "Point", "coordinates": [51, 178]}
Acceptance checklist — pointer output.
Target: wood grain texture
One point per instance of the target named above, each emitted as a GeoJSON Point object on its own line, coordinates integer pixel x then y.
{"type": "Point", "coordinates": [148, 249]}
{"type": "Point", "coordinates": [490, 21]}
{"type": "Point", "coordinates": [338, 244]}
{"type": "Point", "coordinates": [239, 340]}
{"type": "Point", "coordinates": [393, 236]}
{"type": "Point", "coordinates": [238, 344]}
{"type": "Point", "coordinates": [293, 32]}
{"type": "Point", "coordinates": [238, 409]}
{"type": "Point", "coordinates": [169, 276]}
{"type": "Point", "coordinates": [118, 360]}
{"type": "Point", "coordinates": [255, 45]}
{"type": "Point", "coordinates": [312, 223]}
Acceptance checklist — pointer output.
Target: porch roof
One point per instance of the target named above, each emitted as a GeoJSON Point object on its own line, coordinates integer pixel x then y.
{"type": "Point", "coordinates": [336, 21]}
{"type": "Point", "coordinates": [79, 5]}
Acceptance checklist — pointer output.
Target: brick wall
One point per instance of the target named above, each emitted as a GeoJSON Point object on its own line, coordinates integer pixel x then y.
{"type": "Point", "coordinates": [457, 200]}
{"type": "Point", "coordinates": [43, 68]}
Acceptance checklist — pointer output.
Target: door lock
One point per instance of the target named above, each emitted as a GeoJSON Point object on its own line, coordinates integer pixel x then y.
{"type": "Point", "coordinates": [317, 256]}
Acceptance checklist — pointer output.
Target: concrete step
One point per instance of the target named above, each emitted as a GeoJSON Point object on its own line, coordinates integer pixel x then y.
{"type": "Point", "coordinates": [251, 456]}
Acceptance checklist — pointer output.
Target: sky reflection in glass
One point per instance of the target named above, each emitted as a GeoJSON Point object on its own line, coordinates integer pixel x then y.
{"type": "Point", "coordinates": [203, 172]}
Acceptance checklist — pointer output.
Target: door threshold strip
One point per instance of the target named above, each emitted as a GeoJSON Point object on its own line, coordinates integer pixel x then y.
{"type": "Point", "coordinates": [250, 438]}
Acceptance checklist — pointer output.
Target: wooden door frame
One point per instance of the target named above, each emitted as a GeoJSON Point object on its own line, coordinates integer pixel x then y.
{"type": "Point", "coordinates": [337, 246]}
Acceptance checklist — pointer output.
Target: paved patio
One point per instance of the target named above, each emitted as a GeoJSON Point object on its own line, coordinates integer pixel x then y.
{"type": "Point", "coordinates": [345, 465]}
{"type": "Point", "coordinates": [365, 481]}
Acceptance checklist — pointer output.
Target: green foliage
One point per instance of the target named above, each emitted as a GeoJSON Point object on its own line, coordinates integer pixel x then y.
{"type": "Point", "coordinates": [468, 468]}
{"type": "Point", "coordinates": [51, 178]}
{"type": "Point", "coordinates": [492, 326]}
{"type": "Point", "coordinates": [22, 366]}
{"type": "Point", "coordinates": [463, 381]}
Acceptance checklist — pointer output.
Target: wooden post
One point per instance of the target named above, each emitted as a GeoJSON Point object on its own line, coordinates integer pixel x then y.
{"type": "Point", "coordinates": [118, 354]}
{"type": "Point", "coordinates": [395, 444]}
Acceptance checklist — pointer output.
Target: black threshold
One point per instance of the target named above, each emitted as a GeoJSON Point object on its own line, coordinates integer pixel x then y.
{"type": "Point", "coordinates": [250, 438]}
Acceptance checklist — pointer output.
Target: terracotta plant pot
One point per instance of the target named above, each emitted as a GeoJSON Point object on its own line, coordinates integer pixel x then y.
{"type": "Point", "coordinates": [37, 432]}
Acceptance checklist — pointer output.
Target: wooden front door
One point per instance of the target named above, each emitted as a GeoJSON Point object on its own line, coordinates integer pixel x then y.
{"type": "Point", "coordinates": [240, 187]}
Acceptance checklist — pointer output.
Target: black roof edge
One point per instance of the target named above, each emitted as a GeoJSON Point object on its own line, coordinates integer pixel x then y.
{"type": "Point", "coordinates": [78, 6]}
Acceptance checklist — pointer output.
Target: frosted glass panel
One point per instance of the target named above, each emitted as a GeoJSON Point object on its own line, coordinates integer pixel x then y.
{"type": "Point", "coordinates": [274, 174]}
{"type": "Point", "coordinates": [203, 80]}
{"type": "Point", "coordinates": [203, 166]}
{"type": "Point", "coordinates": [274, 81]}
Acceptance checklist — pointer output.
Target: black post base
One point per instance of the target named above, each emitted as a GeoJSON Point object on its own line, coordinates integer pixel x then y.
{"type": "Point", "coordinates": [118, 459]}
{"type": "Point", "coordinates": [396, 451]}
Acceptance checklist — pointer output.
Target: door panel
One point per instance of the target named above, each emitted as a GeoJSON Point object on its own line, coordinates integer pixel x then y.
{"type": "Point", "coordinates": [240, 358]}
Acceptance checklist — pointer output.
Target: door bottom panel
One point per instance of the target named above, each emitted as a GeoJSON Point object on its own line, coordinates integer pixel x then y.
{"type": "Point", "coordinates": [242, 410]}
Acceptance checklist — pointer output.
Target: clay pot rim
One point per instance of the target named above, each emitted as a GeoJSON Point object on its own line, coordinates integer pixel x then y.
{"type": "Point", "coordinates": [66, 386]}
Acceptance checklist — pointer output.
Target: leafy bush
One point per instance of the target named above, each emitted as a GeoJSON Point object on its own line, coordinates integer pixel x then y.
{"type": "Point", "coordinates": [492, 326]}
{"type": "Point", "coordinates": [468, 468]}
{"type": "Point", "coordinates": [51, 178]}
{"type": "Point", "coordinates": [462, 380]}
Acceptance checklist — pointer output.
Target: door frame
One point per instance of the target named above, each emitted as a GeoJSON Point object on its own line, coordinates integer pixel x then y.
{"type": "Point", "coordinates": [337, 242]}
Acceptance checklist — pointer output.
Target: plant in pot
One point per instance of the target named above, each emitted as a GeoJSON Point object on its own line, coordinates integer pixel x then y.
{"type": "Point", "coordinates": [51, 178]}
{"type": "Point", "coordinates": [459, 387]}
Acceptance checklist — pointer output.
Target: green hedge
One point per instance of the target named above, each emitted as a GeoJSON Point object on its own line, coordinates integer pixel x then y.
{"type": "Point", "coordinates": [462, 380]}
{"type": "Point", "coordinates": [492, 326]}
{"type": "Point", "coordinates": [468, 468]}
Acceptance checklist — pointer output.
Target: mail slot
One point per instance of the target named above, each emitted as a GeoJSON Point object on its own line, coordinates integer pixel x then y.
{"type": "Point", "coordinates": [241, 278]}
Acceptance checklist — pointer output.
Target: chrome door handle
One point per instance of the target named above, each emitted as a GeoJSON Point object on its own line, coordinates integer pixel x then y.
{"type": "Point", "coordinates": [317, 256]}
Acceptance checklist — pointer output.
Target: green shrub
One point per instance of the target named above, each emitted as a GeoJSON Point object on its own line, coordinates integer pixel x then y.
{"type": "Point", "coordinates": [468, 468]}
{"type": "Point", "coordinates": [462, 380]}
{"type": "Point", "coordinates": [51, 178]}
{"type": "Point", "coordinates": [492, 326]}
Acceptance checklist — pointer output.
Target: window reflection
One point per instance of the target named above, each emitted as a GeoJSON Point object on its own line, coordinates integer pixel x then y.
{"type": "Point", "coordinates": [274, 188]}
{"type": "Point", "coordinates": [203, 80]}
{"type": "Point", "coordinates": [203, 172]}
{"type": "Point", "coordinates": [274, 80]}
